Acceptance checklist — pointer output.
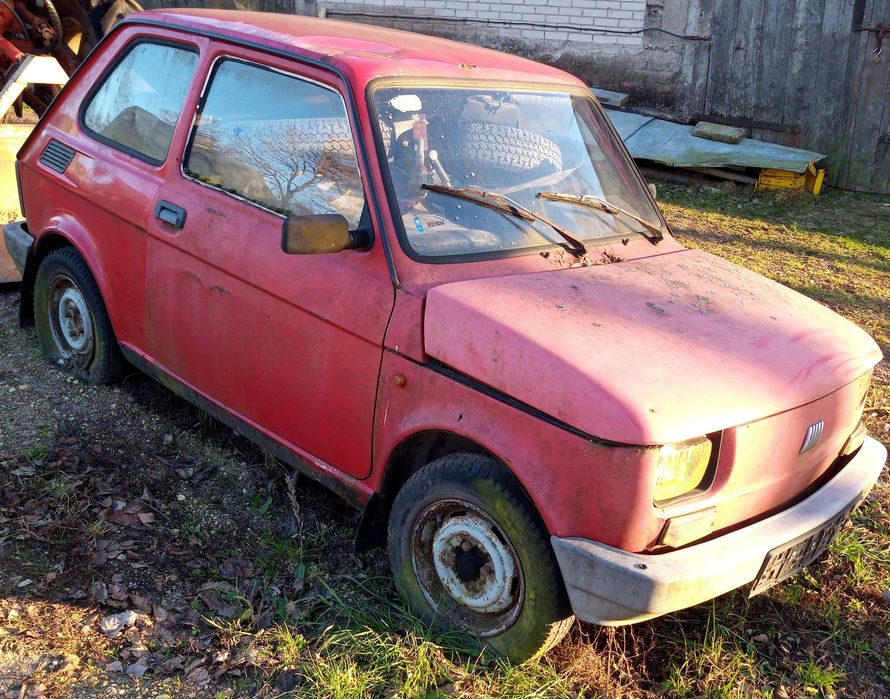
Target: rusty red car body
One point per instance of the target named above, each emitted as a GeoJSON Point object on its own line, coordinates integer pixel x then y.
{"type": "Point", "coordinates": [360, 367]}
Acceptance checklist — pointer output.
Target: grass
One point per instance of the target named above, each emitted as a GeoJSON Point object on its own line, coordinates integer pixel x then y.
{"type": "Point", "coordinates": [834, 248]}
{"type": "Point", "coordinates": [823, 680]}
{"type": "Point", "coordinates": [270, 589]}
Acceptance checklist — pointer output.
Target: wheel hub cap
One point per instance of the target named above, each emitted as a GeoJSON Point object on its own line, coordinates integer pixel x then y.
{"type": "Point", "coordinates": [74, 320]}
{"type": "Point", "coordinates": [474, 566]}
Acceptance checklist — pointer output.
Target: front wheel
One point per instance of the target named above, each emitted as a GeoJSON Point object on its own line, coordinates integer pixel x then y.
{"type": "Point", "coordinates": [71, 319]}
{"type": "Point", "coordinates": [468, 552]}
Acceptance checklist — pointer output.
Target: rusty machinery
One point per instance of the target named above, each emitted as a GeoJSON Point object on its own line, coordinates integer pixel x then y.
{"type": "Point", "coordinates": [67, 30]}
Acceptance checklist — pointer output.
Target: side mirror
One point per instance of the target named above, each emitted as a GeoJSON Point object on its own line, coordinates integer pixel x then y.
{"type": "Point", "coordinates": [320, 233]}
{"type": "Point", "coordinates": [653, 190]}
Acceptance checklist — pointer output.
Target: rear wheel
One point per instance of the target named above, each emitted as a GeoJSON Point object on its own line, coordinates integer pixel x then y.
{"type": "Point", "coordinates": [468, 551]}
{"type": "Point", "coordinates": [71, 319]}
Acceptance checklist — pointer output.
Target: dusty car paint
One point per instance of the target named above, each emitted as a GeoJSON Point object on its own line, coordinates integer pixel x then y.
{"type": "Point", "coordinates": [359, 366]}
{"type": "Point", "coordinates": [639, 340]}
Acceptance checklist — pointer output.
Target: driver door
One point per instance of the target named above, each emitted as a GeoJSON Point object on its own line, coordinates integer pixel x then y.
{"type": "Point", "coordinates": [290, 344]}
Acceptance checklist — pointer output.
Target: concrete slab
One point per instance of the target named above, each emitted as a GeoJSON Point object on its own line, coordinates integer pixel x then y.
{"type": "Point", "coordinates": [719, 132]}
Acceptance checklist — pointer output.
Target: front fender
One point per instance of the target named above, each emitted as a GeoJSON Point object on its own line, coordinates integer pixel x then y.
{"type": "Point", "coordinates": [579, 486]}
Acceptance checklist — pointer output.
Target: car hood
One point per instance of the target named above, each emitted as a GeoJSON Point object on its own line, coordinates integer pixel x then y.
{"type": "Point", "coordinates": [646, 351]}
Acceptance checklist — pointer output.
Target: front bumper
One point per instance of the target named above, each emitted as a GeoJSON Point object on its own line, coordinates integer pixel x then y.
{"type": "Point", "coordinates": [18, 242]}
{"type": "Point", "coordinates": [612, 587]}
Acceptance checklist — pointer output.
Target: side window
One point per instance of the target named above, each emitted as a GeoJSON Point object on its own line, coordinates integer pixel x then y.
{"type": "Point", "coordinates": [276, 140]}
{"type": "Point", "coordinates": [139, 102]}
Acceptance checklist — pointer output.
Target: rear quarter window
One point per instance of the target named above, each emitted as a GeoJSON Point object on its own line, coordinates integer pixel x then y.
{"type": "Point", "coordinates": [140, 99]}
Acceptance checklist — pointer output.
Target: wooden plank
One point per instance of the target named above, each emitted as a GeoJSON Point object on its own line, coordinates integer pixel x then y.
{"type": "Point", "coordinates": [859, 57]}
{"type": "Point", "coordinates": [769, 94]}
{"type": "Point", "coordinates": [654, 173]}
{"type": "Point", "coordinates": [881, 174]}
{"type": "Point", "coordinates": [867, 105]}
{"type": "Point", "coordinates": [720, 66]}
{"type": "Point", "coordinates": [724, 174]}
{"type": "Point", "coordinates": [748, 123]}
{"type": "Point", "coordinates": [855, 65]}
{"type": "Point", "coordinates": [746, 56]}
{"type": "Point", "coordinates": [829, 105]}
{"type": "Point", "coordinates": [696, 58]}
{"type": "Point", "coordinates": [801, 77]}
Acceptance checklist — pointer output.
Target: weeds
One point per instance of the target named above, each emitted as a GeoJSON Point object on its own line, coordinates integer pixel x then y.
{"type": "Point", "coordinates": [823, 679]}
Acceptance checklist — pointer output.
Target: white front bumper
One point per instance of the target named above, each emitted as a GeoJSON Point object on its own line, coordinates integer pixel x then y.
{"type": "Point", "coordinates": [613, 587]}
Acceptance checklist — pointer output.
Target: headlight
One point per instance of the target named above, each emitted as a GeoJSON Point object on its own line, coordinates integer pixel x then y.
{"type": "Point", "coordinates": [862, 385]}
{"type": "Point", "coordinates": [682, 467]}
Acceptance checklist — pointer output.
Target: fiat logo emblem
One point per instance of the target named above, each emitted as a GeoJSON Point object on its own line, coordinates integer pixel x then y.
{"type": "Point", "coordinates": [814, 433]}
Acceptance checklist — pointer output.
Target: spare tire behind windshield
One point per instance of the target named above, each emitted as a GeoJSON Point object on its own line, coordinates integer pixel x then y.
{"type": "Point", "coordinates": [493, 154]}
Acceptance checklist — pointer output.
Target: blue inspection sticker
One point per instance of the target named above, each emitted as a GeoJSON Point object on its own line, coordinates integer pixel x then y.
{"type": "Point", "coordinates": [418, 225]}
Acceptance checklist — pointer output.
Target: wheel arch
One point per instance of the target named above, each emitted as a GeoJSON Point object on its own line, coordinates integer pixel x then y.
{"type": "Point", "coordinates": [54, 238]}
{"type": "Point", "coordinates": [410, 455]}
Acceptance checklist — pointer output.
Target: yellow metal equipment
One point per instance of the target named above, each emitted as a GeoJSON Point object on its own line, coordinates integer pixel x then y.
{"type": "Point", "coordinates": [810, 179]}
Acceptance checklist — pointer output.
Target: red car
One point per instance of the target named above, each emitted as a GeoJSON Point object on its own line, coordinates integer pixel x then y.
{"type": "Point", "coordinates": [429, 276]}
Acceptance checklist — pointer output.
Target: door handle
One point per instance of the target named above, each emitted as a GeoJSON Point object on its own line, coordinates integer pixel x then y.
{"type": "Point", "coordinates": [170, 213]}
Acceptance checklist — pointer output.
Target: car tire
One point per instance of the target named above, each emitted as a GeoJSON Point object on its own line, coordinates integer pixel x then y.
{"type": "Point", "coordinates": [469, 553]}
{"type": "Point", "coordinates": [509, 148]}
{"type": "Point", "coordinates": [72, 322]}
{"type": "Point", "coordinates": [506, 149]}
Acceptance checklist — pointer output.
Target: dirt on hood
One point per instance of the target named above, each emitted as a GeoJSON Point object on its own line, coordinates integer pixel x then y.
{"type": "Point", "coordinates": [647, 351]}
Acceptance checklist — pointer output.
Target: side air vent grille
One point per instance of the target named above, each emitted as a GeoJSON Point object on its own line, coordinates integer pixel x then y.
{"type": "Point", "coordinates": [57, 156]}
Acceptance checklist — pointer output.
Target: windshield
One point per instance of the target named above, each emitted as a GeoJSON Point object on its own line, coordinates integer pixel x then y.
{"type": "Point", "coordinates": [522, 146]}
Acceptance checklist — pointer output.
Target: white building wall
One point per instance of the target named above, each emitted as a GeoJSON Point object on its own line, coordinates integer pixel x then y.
{"type": "Point", "coordinates": [599, 22]}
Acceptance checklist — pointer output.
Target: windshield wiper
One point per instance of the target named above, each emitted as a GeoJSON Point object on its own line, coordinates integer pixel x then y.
{"type": "Point", "coordinates": [504, 204]}
{"type": "Point", "coordinates": [592, 202]}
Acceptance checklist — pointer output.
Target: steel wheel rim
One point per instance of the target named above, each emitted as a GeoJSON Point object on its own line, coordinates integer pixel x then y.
{"type": "Point", "coordinates": [467, 567]}
{"type": "Point", "coordinates": [70, 320]}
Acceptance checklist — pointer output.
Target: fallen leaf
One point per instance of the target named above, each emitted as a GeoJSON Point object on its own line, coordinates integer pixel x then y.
{"type": "Point", "coordinates": [113, 624]}
{"type": "Point", "coordinates": [199, 676]}
{"type": "Point", "coordinates": [141, 603]}
{"type": "Point", "coordinates": [136, 670]}
{"type": "Point", "coordinates": [99, 592]}
{"type": "Point", "coordinates": [174, 664]}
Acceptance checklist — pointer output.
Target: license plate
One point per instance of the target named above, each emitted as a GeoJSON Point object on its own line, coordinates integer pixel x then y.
{"type": "Point", "coordinates": [786, 560]}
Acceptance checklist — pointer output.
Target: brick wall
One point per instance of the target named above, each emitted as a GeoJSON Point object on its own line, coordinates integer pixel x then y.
{"type": "Point", "coordinates": [579, 22]}
{"type": "Point", "coordinates": [600, 41]}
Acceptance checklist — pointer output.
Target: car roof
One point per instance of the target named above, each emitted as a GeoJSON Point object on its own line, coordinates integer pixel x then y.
{"type": "Point", "coordinates": [362, 51]}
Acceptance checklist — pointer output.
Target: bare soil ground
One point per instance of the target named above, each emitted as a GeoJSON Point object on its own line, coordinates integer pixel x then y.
{"type": "Point", "coordinates": [146, 550]}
